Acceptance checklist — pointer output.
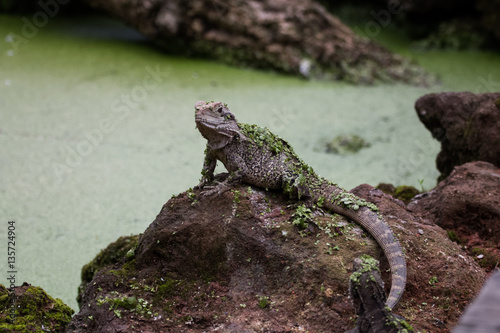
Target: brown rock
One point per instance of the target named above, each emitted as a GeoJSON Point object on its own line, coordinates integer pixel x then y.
{"type": "Point", "coordinates": [467, 203]}
{"type": "Point", "coordinates": [466, 124]}
{"type": "Point", "coordinates": [237, 263]}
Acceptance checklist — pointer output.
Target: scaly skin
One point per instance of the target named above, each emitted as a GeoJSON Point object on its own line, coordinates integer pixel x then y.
{"type": "Point", "coordinates": [255, 156]}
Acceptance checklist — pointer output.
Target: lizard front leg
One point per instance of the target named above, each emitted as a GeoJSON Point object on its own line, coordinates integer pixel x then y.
{"type": "Point", "coordinates": [207, 172]}
{"type": "Point", "coordinates": [237, 170]}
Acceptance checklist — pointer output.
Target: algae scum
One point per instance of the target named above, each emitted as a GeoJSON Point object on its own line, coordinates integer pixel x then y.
{"type": "Point", "coordinates": [97, 133]}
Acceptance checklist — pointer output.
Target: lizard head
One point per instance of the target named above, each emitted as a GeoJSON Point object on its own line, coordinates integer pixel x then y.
{"type": "Point", "coordinates": [216, 123]}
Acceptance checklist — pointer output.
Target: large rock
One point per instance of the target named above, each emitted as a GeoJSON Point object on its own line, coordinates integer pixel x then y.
{"type": "Point", "coordinates": [466, 124]}
{"type": "Point", "coordinates": [467, 204]}
{"type": "Point", "coordinates": [294, 36]}
{"type": "Point", "coordinates": [252, 261]}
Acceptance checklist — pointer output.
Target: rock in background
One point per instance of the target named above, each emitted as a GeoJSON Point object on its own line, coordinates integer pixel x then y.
{"type": "Point", "coordinates": [466, 124]}
{"type": "Point", "coordinates": [299, 37]}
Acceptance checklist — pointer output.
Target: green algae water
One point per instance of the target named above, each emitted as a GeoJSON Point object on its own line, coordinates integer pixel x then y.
{"type": "Point", "coordinates": [97, 133]}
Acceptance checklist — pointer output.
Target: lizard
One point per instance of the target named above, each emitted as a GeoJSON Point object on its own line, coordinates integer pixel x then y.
{"type": "Point", "coordinates": [255, 156]}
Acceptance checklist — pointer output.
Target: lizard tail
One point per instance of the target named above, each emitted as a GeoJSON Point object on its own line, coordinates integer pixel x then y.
{"type": "Point", "coordinates": [384, 236]}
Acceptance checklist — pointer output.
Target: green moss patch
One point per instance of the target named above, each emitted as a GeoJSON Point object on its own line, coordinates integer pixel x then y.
{"type": "Point", "coordinates": [35, 311]}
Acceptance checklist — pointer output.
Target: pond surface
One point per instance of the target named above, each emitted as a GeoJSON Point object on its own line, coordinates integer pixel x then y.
{"type": "Point", "coordinates": [97, 133]}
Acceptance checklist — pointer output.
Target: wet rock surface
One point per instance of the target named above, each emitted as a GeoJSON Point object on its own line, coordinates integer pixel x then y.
{"type": "Point", "coordinates": [466, 124]}
{"type": "Point", "coordinates": [251, 260]}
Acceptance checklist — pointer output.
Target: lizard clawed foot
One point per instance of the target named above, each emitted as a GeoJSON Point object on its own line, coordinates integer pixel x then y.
{"type": "Point", "coordinates": [203, 183]}
{"type": "Point", "coordinates": [220, 184]}
{"type": "Point", "coordinates": [207, 189]}
{"type": "Point", "coordinates": [218, 189]}
{"type": "Point", "coordinates": [209, 192]}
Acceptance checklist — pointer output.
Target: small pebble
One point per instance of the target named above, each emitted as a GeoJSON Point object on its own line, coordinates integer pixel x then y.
{"type": "Point", "coordinates": [480, 256]}
{"type": "Point", "coordinates": [420, 231]}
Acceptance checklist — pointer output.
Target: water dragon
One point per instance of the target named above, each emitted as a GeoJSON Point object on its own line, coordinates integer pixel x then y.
{"type": "Point", "coordinates": [255, 156]}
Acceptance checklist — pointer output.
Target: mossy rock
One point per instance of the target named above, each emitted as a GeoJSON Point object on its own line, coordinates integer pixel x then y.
{"type": "Point", "coordinates": [34, 311]}
{"type": "Point", "coordinates": [114, 252]}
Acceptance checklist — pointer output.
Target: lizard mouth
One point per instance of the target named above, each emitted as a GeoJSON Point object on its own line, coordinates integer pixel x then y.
{"type": "Point", "coordinates": [215, 126]}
